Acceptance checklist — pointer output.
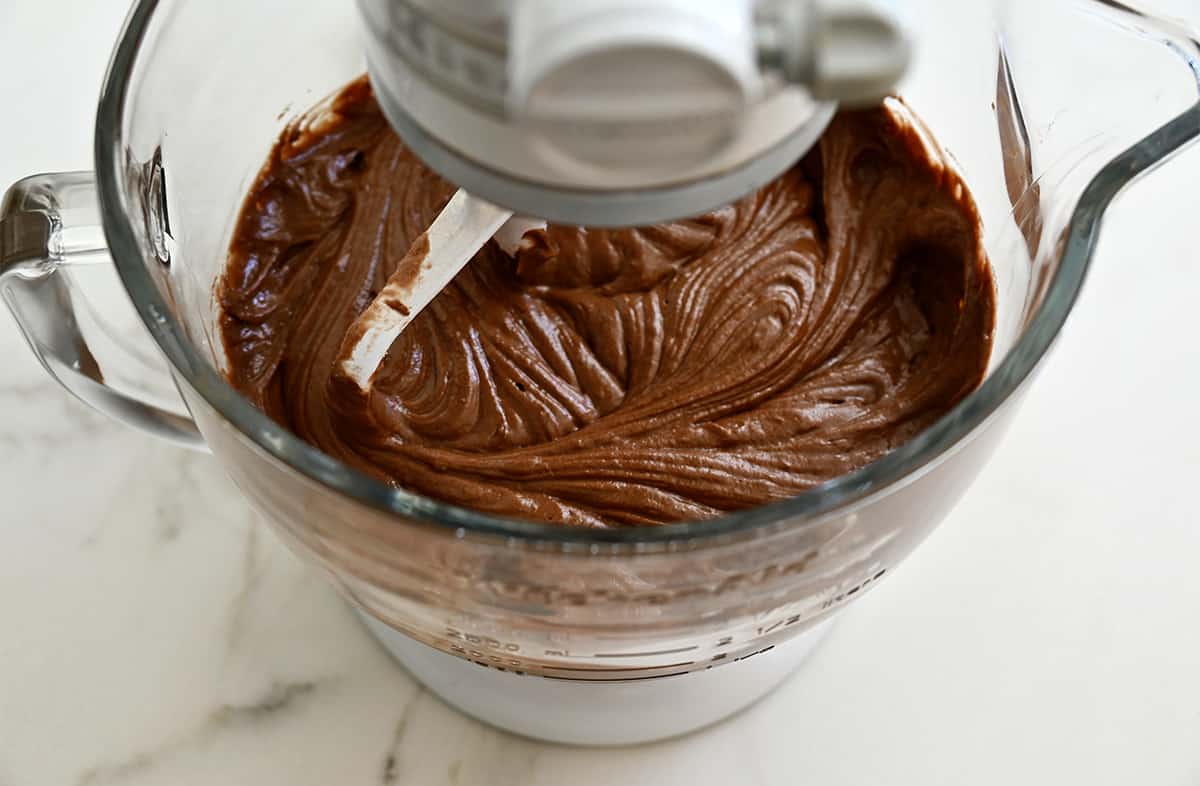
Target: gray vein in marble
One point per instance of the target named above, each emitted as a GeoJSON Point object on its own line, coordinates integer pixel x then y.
{"type": "Point", "coordinates": [131, 478]}
{"type": "Point", "coordinates": [114, 773]}
{"type": "Point", "coordinates": [69, 419]}
{"type": "Point", "coordinates": [300, 582]}
{"type": "Point", "coordinates": [482, 756]}
{"type": "Point", "coordinates": [252, 574]}
{"type": "Point", "coordinates": [174, 505]}
{"type": "Point", "coordinates": [280, 696]}
{"type": "Point", "coordinates": [391, 762]}
{"type": "Point", "coordinates": [103, 519]}
{"type": "Point", "coordinates": [169, 525]}
{"type": "Point", "coordinates": [497, 758]}
{"type": "Point", "coordinates": [275, 702]}
{"type": "Point", "coordinates": [27, 390]}
{"type": "Point", "coordinates": [174, 500]}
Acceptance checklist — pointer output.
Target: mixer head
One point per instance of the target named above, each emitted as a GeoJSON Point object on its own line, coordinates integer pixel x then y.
{"type": "Point", "coordinates": [623, 112]}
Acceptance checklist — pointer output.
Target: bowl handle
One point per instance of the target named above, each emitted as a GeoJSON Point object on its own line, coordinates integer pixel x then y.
{"type": "Point", "coordinates": [49, 224]}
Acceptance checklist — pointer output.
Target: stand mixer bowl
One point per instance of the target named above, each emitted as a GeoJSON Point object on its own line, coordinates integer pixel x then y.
{"type": "Point", "coordinates": [596, 637]}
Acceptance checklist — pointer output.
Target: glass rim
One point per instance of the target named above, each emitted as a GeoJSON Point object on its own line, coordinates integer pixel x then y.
{"type": "Point", "coordinates": [808, 508]}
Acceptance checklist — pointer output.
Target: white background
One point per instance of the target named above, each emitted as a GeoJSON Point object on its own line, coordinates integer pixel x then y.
{"type": "Point", "coordinates": [152, 631]}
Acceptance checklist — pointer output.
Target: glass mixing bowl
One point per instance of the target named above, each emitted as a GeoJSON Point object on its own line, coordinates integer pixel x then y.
{"type": "Point", "coordinates": [1050, 108]}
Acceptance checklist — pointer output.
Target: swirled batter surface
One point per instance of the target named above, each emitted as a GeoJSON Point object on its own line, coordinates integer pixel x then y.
{"type": "Point", "coordinates": [613, 378]}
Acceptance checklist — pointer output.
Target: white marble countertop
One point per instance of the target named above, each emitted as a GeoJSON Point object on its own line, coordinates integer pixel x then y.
{"type": "Point", "coordinates": [1047, 633]}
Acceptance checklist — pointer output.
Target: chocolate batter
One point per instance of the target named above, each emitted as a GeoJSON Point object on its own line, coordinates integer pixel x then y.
{"type": "Point", "coordinates": [614, 378]}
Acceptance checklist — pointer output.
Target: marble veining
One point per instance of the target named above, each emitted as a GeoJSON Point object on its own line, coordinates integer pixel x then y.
{"type": "Point", "coordinates": [251, 576]}
{"type": "Point", "coordinates": [155, 631]}
{"type": "Point", "coordinates": [280, 697]}
{"type": "Point", "coordinates": [392, 761]}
